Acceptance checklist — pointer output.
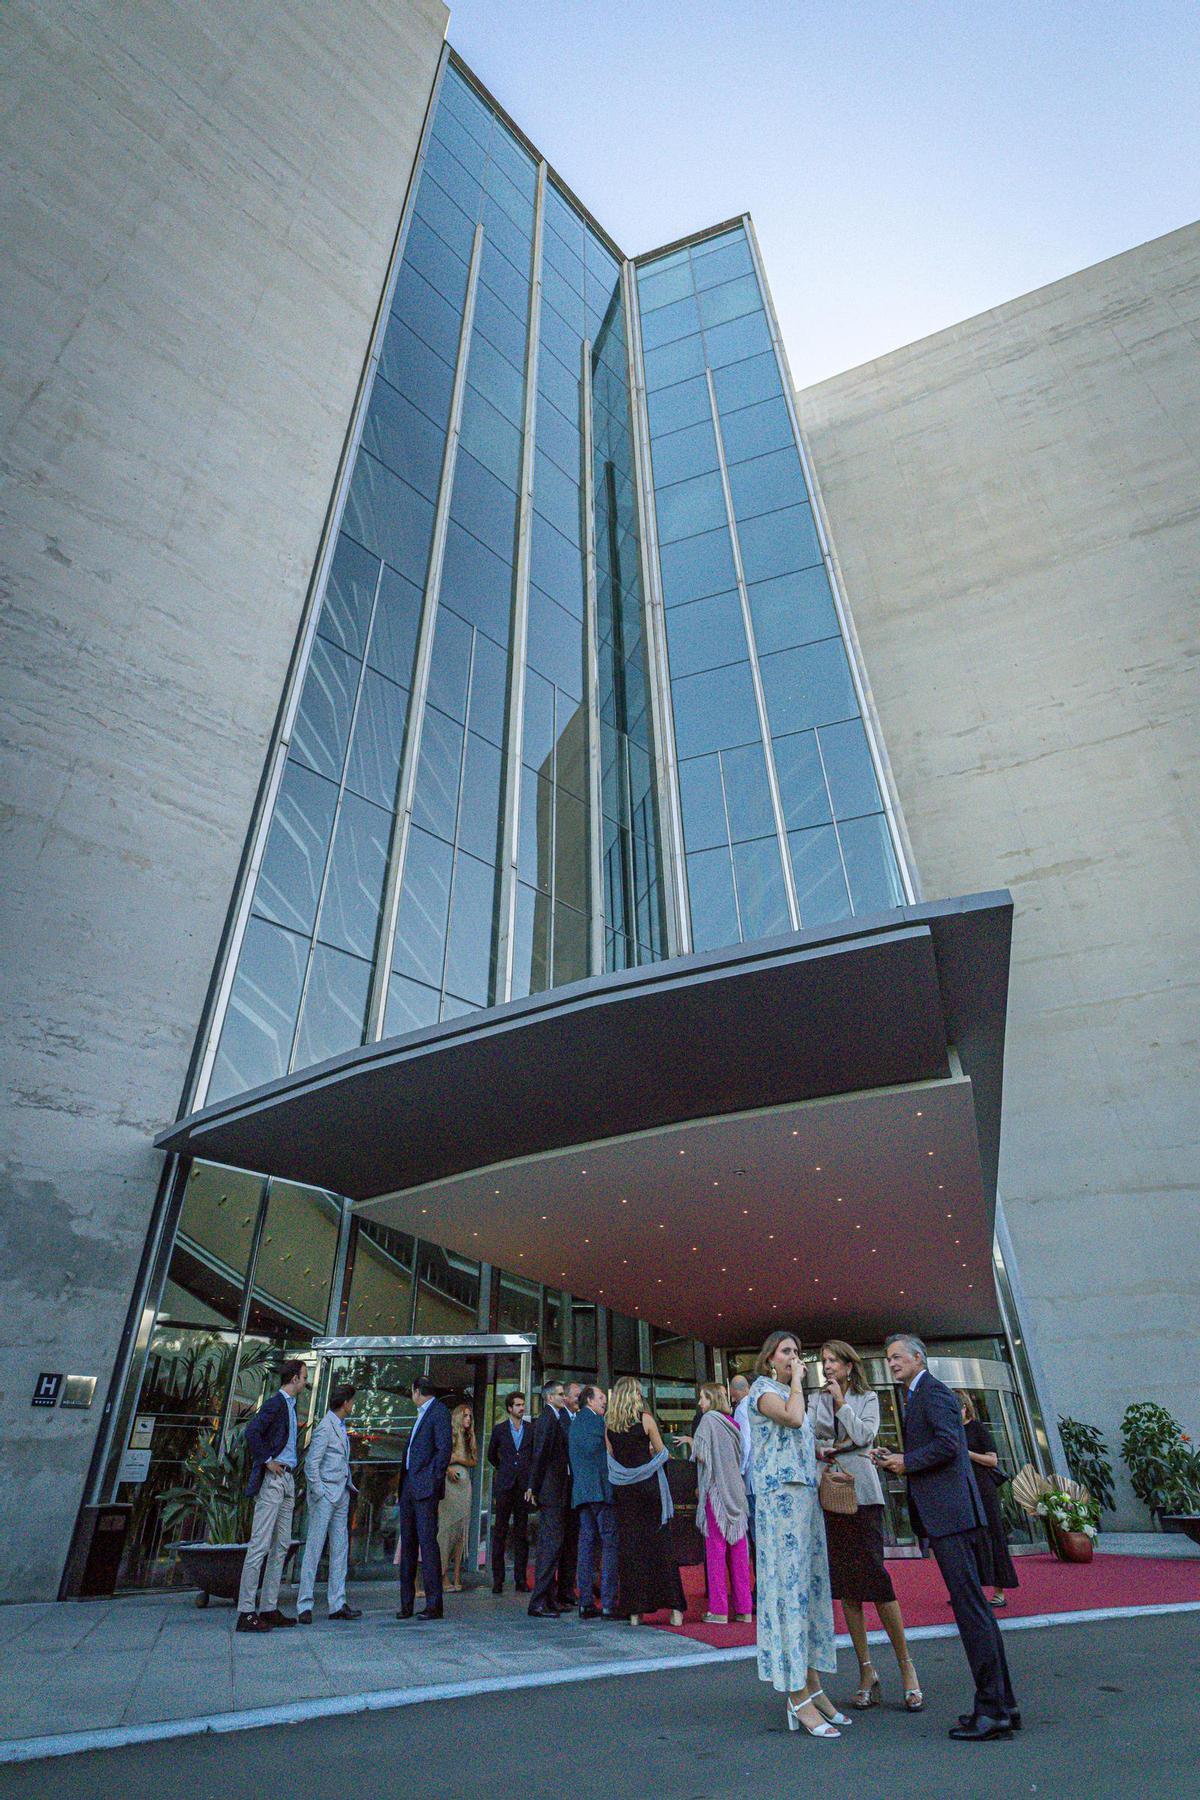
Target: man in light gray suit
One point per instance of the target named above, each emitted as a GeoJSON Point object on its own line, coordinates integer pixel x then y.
{"type": "Point", "coordinates": [327, 1468]}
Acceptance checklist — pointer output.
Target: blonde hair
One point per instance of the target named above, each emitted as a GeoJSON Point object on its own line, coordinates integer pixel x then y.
{"type": "Point", "coordinates": [718, 1394]}
{"type": "Point", "coordinates": [762, 1362]}
{"type": "Point", "coordinates": [462, 1424]}
{"type": "Point", "coordinates": [967, 1404]}
{"type": "Point", "coordinates": [848, 1354]}
{"type": "Point", "coordinates": [626, 1404]}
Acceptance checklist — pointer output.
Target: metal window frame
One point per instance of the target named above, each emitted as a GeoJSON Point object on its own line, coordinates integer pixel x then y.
{"type": "Point", "coordinates": [591, 667]}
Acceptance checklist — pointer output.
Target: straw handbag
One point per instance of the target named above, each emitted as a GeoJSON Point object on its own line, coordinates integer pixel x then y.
{"type": "Point", "coordinates": [836, 1488]}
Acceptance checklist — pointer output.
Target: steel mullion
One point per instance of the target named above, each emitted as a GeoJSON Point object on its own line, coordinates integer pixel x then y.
{"type": "Point", "coordinates": [591, 673]}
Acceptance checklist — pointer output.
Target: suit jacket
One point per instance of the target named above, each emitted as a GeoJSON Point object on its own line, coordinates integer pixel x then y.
{"type": "Point", "coordinates": [589, 1460]}
{"type": "Point", "coordinates": [267, 1434]}
{"type": "Point", "coordinates": [327, 1465]}
{"type": "Point", "coordinates": [512, 1466]}
{"type": "Point", "coordinates": [942, 1495]}
{"type": "Point", "coordinates": [431, 1444]}
{"type": "Point", "coordinates": [550, 1468]}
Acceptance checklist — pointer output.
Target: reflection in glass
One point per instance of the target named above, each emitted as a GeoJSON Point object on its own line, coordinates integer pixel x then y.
{"type": "Point", "coordinates": [871, 864]}
{"type": "Point", "coordinates": [256, 1038]}
{"type": "Point", "coordinates": [817, 872]}
{"type": "Point", "coordinates": [289, 881]}
{"type": "Point", "coordinates": [335, 1006]}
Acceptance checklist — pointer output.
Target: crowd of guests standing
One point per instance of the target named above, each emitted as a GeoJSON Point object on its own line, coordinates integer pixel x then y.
{"type": "Point", "coordinates": [794, 1476]}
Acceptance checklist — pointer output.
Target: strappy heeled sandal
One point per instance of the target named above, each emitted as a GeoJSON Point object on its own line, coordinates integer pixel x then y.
{"type": "Point", "coordinates": [914, 1699]}
{"type": "Point", "coordinates": [868, 1694]}
{"type": "Point", "coordinates": [833, 1715]}
{"type": "Point", "coordinates": [796, 1723]}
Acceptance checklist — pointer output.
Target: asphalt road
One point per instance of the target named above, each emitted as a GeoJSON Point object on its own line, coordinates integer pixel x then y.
{"type": "Point", "coordinates": [1110, 1710]}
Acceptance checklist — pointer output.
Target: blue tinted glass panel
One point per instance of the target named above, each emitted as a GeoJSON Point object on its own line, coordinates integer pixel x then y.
{"type": "Point", "coordinates": [507, 283]}
{"type": "Point", "coordinates": [680, 319]}
{"type": "Point", "coordinates": [484, 505]}
{"type": "Point", "coordinates": [322, 725]}
{"type": "Point", "coordinates": [535, 829]}
{"type": "Point", "coordinates": [256, 1039]}
{"type": "Point", "coordinates": [511, 200]}
{"type": "Point", "coordinates": [689, 507]}
{"type": "Point", "coordinates": [411, 368]}
{"type": "Point", "coordinates": [389, 517]}
{"type": "Point", "coordinates": [461, 145]}
{"type": "Point", "coordinates": [713, 907]}
{"type": "Point", "coordinates": [557, 498]}
{"type": "Point", "coordinates": [672, 408]}
{"type": "Point", "coordinates": [538, 740]}
{"type": "Point", "coordinates": [450, 664]}
{"type": "Point", "coordinates": [736, 340]}
{"type": "Point", "coordinates": [849, 769]}
{"type": "Point", "coordinates": [817, 872]}
{"type": "Point", "coordinates": [410, 1005]}
{"type": "Point", "coordinates": [705, 634]}
{"type": "Point", "coordinates": [714, 711]}
{"type": "Point", "coordinates": [558, 437]}
{"type": "Point", "coordinates": [500, 326]}
{"type": "Point", "coordinates": [335, 1006]}
{"type": "Point", "coordinates": [561, 340]}
{"type": "Point", "coordinates": [469, 945]}
{"type": "Point", "coordinates": [747, 796]}
{"type": "Point", "coordinates": [802, 790]}
{"type": "Point", "coordinates": [404, 438]}
{"type": "Point", "coordinates": [556, 565]}
{"type": "Point", "coordinates": [778, 542]}
{"type": "Point", "coordinates": [713, 266]}
{"type": "Point", "coordinates": [702, 802]}
{"type": "Point", "coordinates": [424, 311]}
{"type": "Point", "coordinates": [350, 911]}
{"type": "Point", "coordinates": [349, 596]}
{"type": "Point", "coordinates": [433, 259]}
{"type": "Point", "coordinates": [570, 849]}
{"type": "Point", "coordinates": [697, 567]}
{"type": "Point", "coordinates": [489, 680]}
{"type": "Point", "coordinates": [459, 175]}
{"type": "Point", "coordinates": [289, 881]}
{"type": "Point", "coordinates": [731, 300]}
{"type": "Point", "coordinates": [767, 484]}
{"type": "Point", "coordinates": [746, 383]}
{"type": "Point", "coordinates": [792, 609]}
{"type": "Point", "coordinates": [508, 237]}
{"type": "Point", "coordinates": [394, 631]}
{"type": "Point", "coordinates": [562, 296]}
{"type": "Point", "coordinates": [871, 864]}
{"type": "Point", "coordinates": [563, 259]}
{"type": "Point", "coordinates": [762, 896]}
{"type": "Point", "coordinates": [424, 906]}
{"type": "Point", "coordinates": [570, 945]}
{"type": "Point", "coordinates": [660, 286]}
{"type": "Point", "coordinates": [479, 814]}
{"type": "Point", "coordinates": [531, 939]}
{"type": "Point", "coordinates": [555, 643]}
{"type": "Point", "coordinates": [497, 380]}
{"type": "Point", "coordinates": [489, 437]}
{"type": "Point", "coordinates": [684, 453]}
{"type": "Point", "coordinates": [373, 768]}
{"type": "Point", "coordinates": [809, 686]}
{"type": "Point", "coordinates": [674, 362]}
{"type": "Point", "coordinates": [559, 384]}
{"type": "Point", "coordinates": [461, 101]}
{"type": "Point", "coordinates": [517, 164]}
{"type": "Point", "coordinates": [754, 430]}
{"type": "Point", "coordinates": [436, 803]}
{"type": "Point", "coordinates": [455, 228]}
{"type": "Point", "coordinates": [476, 582]}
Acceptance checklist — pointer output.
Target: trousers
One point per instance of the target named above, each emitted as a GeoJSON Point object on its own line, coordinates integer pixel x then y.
{"type": "Point", "coordinates": [270, 1535]}
{"type": "Point", "coordinates": [597, 1532]}
{"type": "Point", "coordinates": [976, 1622]}
{"type": "Point", "coordinates": [716, 1551]}
{"type": "Point", "coordinates": [326, 1519]}
{"type": "Point", "coordinates": [510, 1507]}
{"type": "Point", "coordinates": [418, 1535]}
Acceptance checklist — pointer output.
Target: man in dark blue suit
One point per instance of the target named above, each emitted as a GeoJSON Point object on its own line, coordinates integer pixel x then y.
{"type": "Point", "coordinates": [945, 1507]}
{"type": "Point", "coordinates": [422, 1485]}
{"type": "Point", "coordinates": [550, 1490]}
{"type": "Point", "coordinates": [510, 1453]}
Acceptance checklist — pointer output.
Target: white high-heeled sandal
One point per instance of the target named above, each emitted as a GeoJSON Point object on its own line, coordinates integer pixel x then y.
{"type": "Point", "coordinates": [795, 1722]}
{"type": "Point", "coordinates": [835, 1717]}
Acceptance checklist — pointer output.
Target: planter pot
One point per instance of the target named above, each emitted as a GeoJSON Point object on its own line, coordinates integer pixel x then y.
{"type": "Point", "coordinates": [216, 1569]}
{"type": "Point", "coordinates": [1187, 1523]}
{"type": "Point", "coordinates": [1073, 1546]}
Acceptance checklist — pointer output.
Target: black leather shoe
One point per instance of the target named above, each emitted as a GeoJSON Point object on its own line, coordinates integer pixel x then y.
{"type": "Point", "coordinates": [982, 1727]}
{"type": "Point", "coordinates": [343, 1612]}
{"type": "Point", "coordinates": [1014, 1719]}
{"type": "Point", "coordinates": [305, 1617]}
{"type": "Point", "coordinates": [279, 1618]}
{"type": "Point", "coordinates": [431, 1612]}
{"type": "Point", "coordinates": [406, 1612]}
{"type": "Point", "coordinates": [589, 1612]}
{"type": "Point", "coordinates": [251, 1622]}
{"type": "Point", "coordinates": [547, 1610]}
{"type": "Point", "coordinates": [497, 1587]}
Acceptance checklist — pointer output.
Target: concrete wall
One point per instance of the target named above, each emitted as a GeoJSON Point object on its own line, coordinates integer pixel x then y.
{"type": "Point", "coordinates": [200, 206]}
{"type": "Point", "coordinates": [1016, 508]}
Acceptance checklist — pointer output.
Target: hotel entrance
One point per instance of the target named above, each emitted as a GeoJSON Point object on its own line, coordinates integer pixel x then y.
{"type": "Point", "coordinates": [477, 1370]}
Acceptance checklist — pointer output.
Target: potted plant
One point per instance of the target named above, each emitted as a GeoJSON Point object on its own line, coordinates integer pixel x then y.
{"type": "Point", "coordinates": [1088, 1461]}
{"type": "Point", "coordinates": [215, 1498]}
{"type": "Point", "coordinates": [1164, 1467]}
{"type": "Point", "coordinates": [1069, 1513]}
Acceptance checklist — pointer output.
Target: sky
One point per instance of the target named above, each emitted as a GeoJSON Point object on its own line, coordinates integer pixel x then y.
{"type": "Point", "coordinates": [908, 163]}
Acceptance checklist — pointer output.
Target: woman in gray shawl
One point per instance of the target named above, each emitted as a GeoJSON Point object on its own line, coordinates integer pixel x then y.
{"type": "Point", "coordinates": [722, 1510]}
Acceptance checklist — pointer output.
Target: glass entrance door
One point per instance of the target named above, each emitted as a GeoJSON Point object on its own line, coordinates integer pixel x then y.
{"type": "Point", "coordinates": [478, 1370]}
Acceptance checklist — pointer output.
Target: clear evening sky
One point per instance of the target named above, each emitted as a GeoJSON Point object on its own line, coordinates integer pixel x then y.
{"type": "Point", "coordinates": [908, 163]}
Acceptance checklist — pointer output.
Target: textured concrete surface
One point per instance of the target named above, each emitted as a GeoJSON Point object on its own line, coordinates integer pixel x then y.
{"type": "Point", "coordinates": [1014, 507]}
{"type": "Point", "coordinates": [200, 203]}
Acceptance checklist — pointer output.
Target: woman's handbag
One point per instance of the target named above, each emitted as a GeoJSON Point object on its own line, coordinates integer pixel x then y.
{"type": "Point", "coordinates": [836, 1488]}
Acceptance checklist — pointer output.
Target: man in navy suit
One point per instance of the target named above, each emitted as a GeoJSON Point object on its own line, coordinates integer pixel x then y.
{"type": "Point", "coordinates": [272, 1439]}
{"type": "Point", "coordinates": [510, 1453]}
{"type": "Point", "coordinates": [549, 1489]}
{"type": "Point", "coordinates": [945, 1507]}
{"type": "Point", "coordinates": [592, 1497]}
{"type": "Point", "coordinates": [422, 1485]}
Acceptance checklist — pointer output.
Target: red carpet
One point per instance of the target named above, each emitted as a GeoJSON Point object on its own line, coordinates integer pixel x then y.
{"type": "Point", "coordinates": [1047, 1586]}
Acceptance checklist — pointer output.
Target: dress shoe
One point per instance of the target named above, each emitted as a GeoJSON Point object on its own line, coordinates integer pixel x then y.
{"type": "Point", "coordinates": [1014, 1719]}
{"type": "Point", "coordinates": [346, 1612]}
{"type": "Point", "coordinates": [589, 1612]}
{"type": "Point", "coordinates": [431, 1612]}
{"type": "Point", "coordinates": [497, 1587]}
{"type": "Point", "coordinates": [304, 1618]}
{"type": "Point", "coordinates": [982, 1727]}
{"type": "Point", "coordinates": [406, 1612]}
{"type": "Point", "coordinates": [275, 1617]}
{"type": "Point", "coordinates": [547, 1610]}
{"type": "Point", "coordinates": [251, 1622]}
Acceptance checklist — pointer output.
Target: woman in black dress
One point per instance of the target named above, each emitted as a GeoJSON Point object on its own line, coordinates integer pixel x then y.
{"type": "Point", "coordinates": [648, 1572]}
{"type": "Point", "coordinates": [995, 1563]}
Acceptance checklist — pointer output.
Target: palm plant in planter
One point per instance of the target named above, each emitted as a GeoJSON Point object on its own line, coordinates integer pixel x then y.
{"type": "Point", "coordinates": [1086, 1451]}
{"type": "Point", "coordinates": [1070, 1515]}
{"type": "Point", "coordinates": [1163, 1464]}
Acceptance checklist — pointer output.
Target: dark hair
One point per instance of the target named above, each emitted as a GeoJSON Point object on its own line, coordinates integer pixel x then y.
{"type": "Point", "coordinates": [586, 1395]}
{"type": "Point", "coordinates": [848, 1354]}
{"type": "Point", "coordinates": [423, 1384]}
{"type": "Point", "coordinates": [510, 1400]}
{"type": "Point", "coordinates": [291, 1368]}
{"type": "Point", "coordinates": [762, 1365]}
{"type": "Point", "coordinates": [342, 1392]}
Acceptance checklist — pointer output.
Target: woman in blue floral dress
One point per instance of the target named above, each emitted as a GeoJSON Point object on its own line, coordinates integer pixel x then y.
{"type": "Point", "coordinates": [795, 1607]}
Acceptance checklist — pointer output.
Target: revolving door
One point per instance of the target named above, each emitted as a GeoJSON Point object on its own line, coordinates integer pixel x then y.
{"type": "Point", "coordinates": [479, 1370]}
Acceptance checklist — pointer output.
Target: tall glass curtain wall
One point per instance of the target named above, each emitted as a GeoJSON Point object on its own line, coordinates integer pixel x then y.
{"type": "Point", "coordinates": [773, 758]}
{"type": "Point", "coordinates": [444, 446]}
